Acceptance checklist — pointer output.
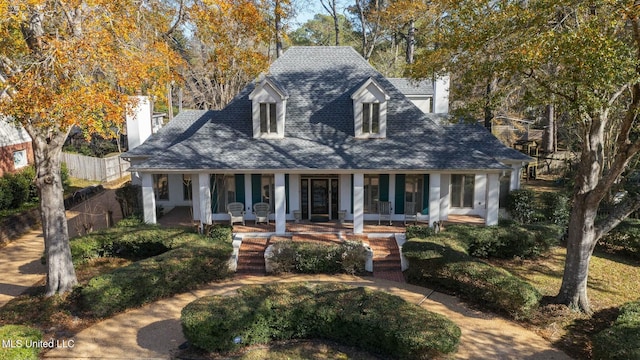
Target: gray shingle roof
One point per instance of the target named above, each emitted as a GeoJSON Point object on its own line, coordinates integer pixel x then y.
{"type": "Point", "coordinates": [477, 136]}
{"type": "Point", "coordinates": [412, 87]}
{"type": "Point", "coordinates": [319, 130]}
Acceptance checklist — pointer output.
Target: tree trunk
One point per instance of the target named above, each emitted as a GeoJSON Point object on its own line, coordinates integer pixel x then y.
{"type": "Point", "coordinates": [61, 275]}
{"type": "Point", "coordinates": [278, 24]}
{"type": "Point", "coordinates": [548, 143]}
{"type": "Point", "coordinates": [488, 107]}
{"type": "Point", "coordinates": [411, 41]}
{"type": "Point", "coordinates": [581, 241]}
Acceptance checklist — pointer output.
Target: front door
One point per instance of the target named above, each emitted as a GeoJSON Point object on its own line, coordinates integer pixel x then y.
{"type": "Point", "coordinates": [320, 198]}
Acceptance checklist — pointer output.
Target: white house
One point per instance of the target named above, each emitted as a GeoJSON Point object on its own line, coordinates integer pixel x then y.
{"type": "Point", "coordinates": [323, 132]}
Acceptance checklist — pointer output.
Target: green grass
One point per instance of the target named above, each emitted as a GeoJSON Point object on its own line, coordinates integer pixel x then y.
{"type": "Point", "coordinates": [20, 337]}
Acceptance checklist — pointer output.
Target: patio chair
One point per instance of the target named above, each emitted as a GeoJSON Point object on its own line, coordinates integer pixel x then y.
{"type": "Point", "coordinates": [384, 211]}
{"type": "Point", "coordinates": [236, 213]}
{"type": "Point", "coordinates": [261, 211]}
{"type": "Point", "coordinates": [410, 213]}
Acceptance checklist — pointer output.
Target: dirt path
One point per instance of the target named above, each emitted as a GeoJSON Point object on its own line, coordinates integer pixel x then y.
{"type": "Point", "coordinates": [154, 331]}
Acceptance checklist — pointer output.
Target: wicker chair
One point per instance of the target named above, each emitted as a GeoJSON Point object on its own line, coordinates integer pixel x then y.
{"type": "Point", "coordinates": [384, 211]}
{"type": "Point", "coordinates": [410, 213]}
{"type": "Point", "coordinates": [236, 213]}
{"type": "Point", "coordinates": [261, 210]}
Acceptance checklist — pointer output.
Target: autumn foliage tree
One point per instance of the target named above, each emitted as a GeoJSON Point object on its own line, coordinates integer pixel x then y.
{"type": "Point", "coordinates": [75, 62]}
{"type": "Point", "coordinates": [582, 57]}
{"type": "Point", "coordinates": [227, 49]}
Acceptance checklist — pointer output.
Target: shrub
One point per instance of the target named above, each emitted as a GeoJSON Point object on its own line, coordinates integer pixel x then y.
{"type": "Point", "coordinates": [352, 316]}
{"type": "Point", "coordinates": [198, 261]}
{"type": "Point", "coordinates": [444, 262]}
{"type": "Point", "coordinates": [310, 258]}
{"type": "Point", "coordinates": [520, 204]}
{"type": "Point", "coordinates": [129, 197]}
{"type": "Point", "coordinates": [128, 242]}
{"type": "Point", "coordinates": [6, 196]}
{"type": "Point", "coordinates": [620, 341]}
{"type": "Point", "coordinates": [507, 241]}
{"type": "Point", "coordinates": [555, 208]}
{"type": "Point", "coordinates": [21, 336]}
{"type": "Point", "coordinates": [625, 238]}
{"type": "Point", "coordinates": [419, 231]}
{"type": "Point", "coordinates": [19, 186]}
{"type": "Point", "coordinates": [220, 232]}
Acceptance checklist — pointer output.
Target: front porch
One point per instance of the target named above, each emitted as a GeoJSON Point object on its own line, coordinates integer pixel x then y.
{"type": "Point", "coordinates": [182, 216]}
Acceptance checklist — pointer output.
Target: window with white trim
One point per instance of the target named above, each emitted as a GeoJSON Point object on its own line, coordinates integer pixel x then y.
{"type": "Point", "coordinates": [413, 188]}
{"type": "Point", "coordinates": [462, 190]}
{"type": "Point", "coordinates": [223, 192]}
{"type": "Point", "coordinates": [20, 159]}
{"type": "Point", "coordinates": [371, 118]}
{"type": "Point", "coordinates": [371, 193]}
{"type": "Point", "coordinates": [268, 118]}
{"type": "Point", "coordinates": [187, 189]}
{"type": "Point", "coordinates": [161, 186]}
{"type": "Point", "coordinates": [268, 190]}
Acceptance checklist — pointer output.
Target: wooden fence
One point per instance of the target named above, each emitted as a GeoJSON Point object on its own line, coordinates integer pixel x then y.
{"type": "Point", "coordinates": [97, 169]}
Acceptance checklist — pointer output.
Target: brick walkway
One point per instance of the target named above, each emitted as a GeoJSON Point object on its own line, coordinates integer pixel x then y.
{"type": "Point", "coordinates": [386, 259]}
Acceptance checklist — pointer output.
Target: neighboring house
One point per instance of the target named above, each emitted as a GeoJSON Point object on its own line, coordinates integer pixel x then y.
{"type": "Point", "coordinates": [322, 132]}
{"type": "Point", "coordinates": [15, 147]}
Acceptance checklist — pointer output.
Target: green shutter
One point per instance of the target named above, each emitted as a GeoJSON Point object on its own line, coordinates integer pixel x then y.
{"type": "Point", "coordinates": [351, 186]}
{"type": "Point", "coordinates": [213, 187]}
{"type": "Point", "coordinates": [286, 192]}
{"type": "Point", "coordinates": [384, 187]}
{"type": "Point", "coordinates": [425, 194]}
{"type": "Point", "coordinates": [400, 183]}
{"type": "Point", "coordinates": [240, 188]}
{"type": "Point", "coordinates": [256, 188]}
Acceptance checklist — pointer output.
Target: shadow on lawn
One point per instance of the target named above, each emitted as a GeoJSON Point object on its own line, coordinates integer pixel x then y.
{"type": "Point", "coordinates": [577, 339]}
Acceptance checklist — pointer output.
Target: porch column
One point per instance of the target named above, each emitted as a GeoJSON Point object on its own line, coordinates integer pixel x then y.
{"type": "Point", "coordinates": [358, 203]}
{"type": "Point", "coordinates": [148, 199]}
{"type": "Point", "coordinates": [345, 194]}
{"type": "Point", "coordinates": [480, 194]}
{"type": "Point", "coordinates": [195, 196]}
{"type": "Point", "coordinates": [434, 198]}
{"type": "Point", "coordinates": [445, 183]}
{"type": "Point", "coordinates": [493, 199]}
{"type": "Point", "coordinates": [280, 203]}
{"type": "Point", "coordinates": [516, 171]}
{"type": "Point", "coordinates": [204, 192]}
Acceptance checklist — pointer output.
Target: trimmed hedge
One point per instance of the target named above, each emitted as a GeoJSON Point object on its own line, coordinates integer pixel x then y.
{"type": "Point", "coordinates": [310, 258]}
{"type": "Point", "coordinates": [622, 340]}
{"type": "Point", "coordinates": [444, 261]}
{"type": "Point", "coordinates": [193, 260]}
{"type": "Point", "coordinates": [21, 336]}
{"type": "Point", "coordinates": [129, 241]}
{"type": "Point", "coordinates": [419, 231]}
{"type": "Point", "coordinates": [507, 241]}
{"type": "Point", "coordinates": [372, 320]}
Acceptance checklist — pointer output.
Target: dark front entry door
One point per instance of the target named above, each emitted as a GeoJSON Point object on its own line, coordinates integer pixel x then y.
{"type": "Point", "coordinates": [319, 197]}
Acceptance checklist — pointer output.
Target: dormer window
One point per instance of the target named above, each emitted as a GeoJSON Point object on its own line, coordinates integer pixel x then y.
{"type": "Point", "coordinates": [370, 110]}
{"type": "Point", "coordinates": [269, 103]}
{"type": "Point", "coordinates": [370, 118]}
{"type": "Point", "coordinates": [268, 121]}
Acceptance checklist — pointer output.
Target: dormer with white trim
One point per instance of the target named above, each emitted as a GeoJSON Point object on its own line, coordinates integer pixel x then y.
{"type": "Point", "coordinates": [370, 111]}
{"type": "Point", "coordinates": [269, 104]}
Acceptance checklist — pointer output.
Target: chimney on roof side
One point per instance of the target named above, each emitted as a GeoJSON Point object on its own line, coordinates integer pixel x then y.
{"type": "Point", "coordinates": [441, 95]}
{"type": "Point", "coordinates": [139, 123]}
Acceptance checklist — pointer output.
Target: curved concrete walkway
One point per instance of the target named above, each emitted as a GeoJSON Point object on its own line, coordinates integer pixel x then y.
{"type": "Point", "coordinates": [20, 265]}
{"type": "Point", "coordinates": [154, 332]}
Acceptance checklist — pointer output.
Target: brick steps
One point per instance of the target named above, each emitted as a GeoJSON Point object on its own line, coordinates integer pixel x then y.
{"type": "Point", "coordinates": [386, 256]}
{"type": "Point", "coordinates": [251, 257]}
{"type": "Point", "coordinates": [386, 259]}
